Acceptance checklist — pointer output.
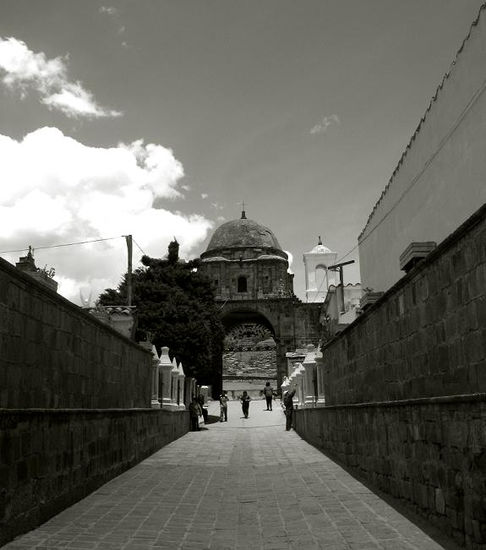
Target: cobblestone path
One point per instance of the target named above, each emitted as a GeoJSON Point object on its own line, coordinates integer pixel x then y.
{"type": "Point", "coordinates": [241, 484]}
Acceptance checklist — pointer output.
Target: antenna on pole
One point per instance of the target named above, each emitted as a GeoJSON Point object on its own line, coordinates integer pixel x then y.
{"type": "Point", "coordinates": [339, 268]}
{"type": "Point", "coordinates": [129, 241]}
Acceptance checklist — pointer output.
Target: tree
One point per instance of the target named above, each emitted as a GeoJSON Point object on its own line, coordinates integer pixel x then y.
{"type": "Point", "coordinates": [175, 304]}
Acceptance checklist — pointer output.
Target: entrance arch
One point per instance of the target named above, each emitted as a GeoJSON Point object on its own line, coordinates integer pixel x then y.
{"type": "Point", "coordinates": [250, 353]}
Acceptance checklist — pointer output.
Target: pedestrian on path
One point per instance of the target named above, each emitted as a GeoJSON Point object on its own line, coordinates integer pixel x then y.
{"type": "Point", "coordinates": [204, 408]}
{"type": "Point", "coordinates": [268, 393]}
{"type": "Point", "coordinates": [288, 402]}
{"type": "Point", "coordinates": [223, 407]}
{"type": "Point", "coordinates": [194, 414]}
{"type": "Point", "coordinates": [245, 403]}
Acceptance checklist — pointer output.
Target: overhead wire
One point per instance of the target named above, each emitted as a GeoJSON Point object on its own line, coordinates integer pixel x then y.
{"type": "Point", "coordinates": [60, 245]}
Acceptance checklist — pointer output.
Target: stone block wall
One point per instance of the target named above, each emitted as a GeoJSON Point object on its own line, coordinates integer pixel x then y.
{"type": "Point", "coordinates": [405, 389]}
{"type": "Point", "coordinates": [74, 403]}
{"type": "Point", "coordinates": [259, 363]}
{"type": "Point", "coordinates": [55, 355]}
{"type": "Point", "coordinates": [49, 459]}
{"type": "Point", "coordinates": [429, 453]}
{"type": "Point", "coordinates": [426, 336]}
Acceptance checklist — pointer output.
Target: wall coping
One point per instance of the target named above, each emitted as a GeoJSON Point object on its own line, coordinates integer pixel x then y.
{"type": "Point", "coordinates": [442, 399]}
{"type": "Point", "coordinates": [5, 412]}
{"type": "Point", "coordinates": [465, 228]}
{"type": "Point", "coordinates": [43, 289]}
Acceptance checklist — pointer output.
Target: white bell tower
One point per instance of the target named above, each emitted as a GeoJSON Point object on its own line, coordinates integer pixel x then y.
{"type": "Point", "coordinates": [317, 275]}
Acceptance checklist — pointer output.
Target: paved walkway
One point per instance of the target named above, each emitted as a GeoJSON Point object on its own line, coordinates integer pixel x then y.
{"type": "Point", "coordinates": [241, 484]}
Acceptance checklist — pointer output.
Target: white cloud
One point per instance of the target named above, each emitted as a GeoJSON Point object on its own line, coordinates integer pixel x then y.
{"type": "Point", "coordinates": [108, 10]}
{"type": "Point", "coordinates": [204, 196]}
{"type": "Point", "coordinates": [23, 69]}
{"type": "Point", "coordinates": [323, 125]}
{"type": "Point", "coordinates": [54, 190]}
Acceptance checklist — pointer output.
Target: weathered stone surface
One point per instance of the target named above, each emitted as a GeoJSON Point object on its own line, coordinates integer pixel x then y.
{"type": "Point", "coordinates": [50, 459]}
{"type": "Point", "coordinates": [425, 337]}
{"type": "Point", "coordinates": [429, 453]}
{"type": "Point", "coordinates": [55, 355]}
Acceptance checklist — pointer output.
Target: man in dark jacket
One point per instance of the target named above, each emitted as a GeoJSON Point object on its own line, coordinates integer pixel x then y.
{"type": "Point", "coordinates": [289, 408]}
{"type": "Point", "coordinates": [268, 393]}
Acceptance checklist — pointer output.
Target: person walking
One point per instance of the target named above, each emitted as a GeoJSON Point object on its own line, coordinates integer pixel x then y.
{"type": "Point", "coordinates": [268, 393]}
{"type": "Point", "coordinates": [223, 407]}
{"type": "Point", "coordinates": [204, 409]}
{"type": "Point", "coordinates": [194, 414]}
{"type": "Point", "coordinates": [245, 403]}
{"type": "Point", "coordinates": [288, 402]}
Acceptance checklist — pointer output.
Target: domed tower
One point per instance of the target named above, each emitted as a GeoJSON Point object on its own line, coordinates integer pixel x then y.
{"type": "Point", "coordinates": [245, 261]}
{"type": "Point", "coordinates": [317, 275]}
{"type": "Point", "coordinates": [262, 317]}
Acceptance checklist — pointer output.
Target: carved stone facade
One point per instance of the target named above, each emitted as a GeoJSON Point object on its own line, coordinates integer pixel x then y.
{"type": "Point", "coordinates": [260, 312]}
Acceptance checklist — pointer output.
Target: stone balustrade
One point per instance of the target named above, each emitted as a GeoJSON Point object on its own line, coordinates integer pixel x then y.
{"type": "Point", "coordinates": [171, 388]}
{"type": "Point", "coordinates": [307, 379]}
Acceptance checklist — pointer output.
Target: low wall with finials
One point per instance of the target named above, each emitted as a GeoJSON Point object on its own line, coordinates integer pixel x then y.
{"type": "Point", "coordinates": [75, 403]}
{"type": "Point", "coordinates": [405, 389]}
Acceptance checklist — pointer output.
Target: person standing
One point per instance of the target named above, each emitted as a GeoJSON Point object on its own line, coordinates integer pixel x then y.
{"type": "Point", "coordinates": [268, 393]}
{"type": "Point", "coordinates": [204, 409]}
{"type": "Point", "coordinates": [245, 403]}
{"type": "Point", "coordinates": [194, 414]}
{"type": "Point", "coordinates": [223, 407]}
{"type": "Point", "coordinates": [288, 402]}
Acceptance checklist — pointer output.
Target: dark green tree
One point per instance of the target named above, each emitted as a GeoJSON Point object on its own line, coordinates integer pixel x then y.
{"type": "Point", "coordinates": [175, 304]}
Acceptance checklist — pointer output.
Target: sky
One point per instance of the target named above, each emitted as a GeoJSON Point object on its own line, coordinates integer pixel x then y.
{"type": "Point", "coordinates": [158, 118]}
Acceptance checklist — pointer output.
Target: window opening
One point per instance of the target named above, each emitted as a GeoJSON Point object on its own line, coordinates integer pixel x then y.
{"type": "Point", "coordinates": [242, 284]}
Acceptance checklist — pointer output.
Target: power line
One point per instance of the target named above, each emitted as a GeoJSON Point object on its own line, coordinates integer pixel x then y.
{"type": "Point", "coordinates": [60, 245]}
{"type": "Point", "coordinates": [139, 247]}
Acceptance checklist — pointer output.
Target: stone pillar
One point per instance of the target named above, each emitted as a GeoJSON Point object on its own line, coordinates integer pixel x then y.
{"type": "Point", "coordinates": [321, 397]}
{"type": "Point", "coordinates": [182, 377]}
{"type": "Point", "coordinates": [175, 384]}
{"type": "Point", "coordinates": [189, 390]}
{"type": "Point", "coordinates": [155, 403]}
{"type": "Point", "coordinates": [285, 386]}
{"type": "Point", "coordinates": [309, 365]}
{"type": "Point", "coordinates": [298, 380]}
{"type": "Point", "coordinates": [165, 376]}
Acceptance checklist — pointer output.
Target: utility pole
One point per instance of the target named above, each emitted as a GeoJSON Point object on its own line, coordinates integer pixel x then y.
{"type": "Point", "coordinates": [128, 239]}
{"type": "Point", "coordinates": [339, 267]}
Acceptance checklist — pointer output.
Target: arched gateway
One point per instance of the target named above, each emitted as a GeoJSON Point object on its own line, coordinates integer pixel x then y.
{"type": "Point", "coordinates": [263, 319]}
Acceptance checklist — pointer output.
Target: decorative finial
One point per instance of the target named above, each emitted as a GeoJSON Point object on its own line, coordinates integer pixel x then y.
{"type": "Point", "coordinates": [243, 214]}
{"type": "Point", "coordinates": [319, 241]}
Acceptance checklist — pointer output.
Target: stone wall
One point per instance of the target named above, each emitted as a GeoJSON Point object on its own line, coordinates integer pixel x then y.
{"type": "Point", "coordinates": [426, 336]}
{"type": "Point", "coordinates": [405, 388]}
{"type": "Point", "coordinates": [251, 363]}
{"type": "Point", "coordinates": [55, 355]}
{"type": "Point", "coordinates": [430, 454]}
{"type": "Point", "coordinates": [74, 398]}
{"type": "Point", "coordinates": [49, 459]}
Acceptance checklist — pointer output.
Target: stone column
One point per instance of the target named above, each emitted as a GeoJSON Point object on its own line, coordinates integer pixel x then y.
{"type": "Point", "coordinates": [298, 378]}
{"type": "Point", "coordinates": [182, 377]}
{"type": "Point", "coordinates": [321, 398]}
{"type": "Point", "coordinates": [175, 384]}
{"type": "Point", "coordinates": [309, 365]}
{"type": "Point", "coordinates": [165, 370]}
{"type": "Point", "coordinates": [285, 386]}
{"type": "Point", "coordinates": [155, 403]}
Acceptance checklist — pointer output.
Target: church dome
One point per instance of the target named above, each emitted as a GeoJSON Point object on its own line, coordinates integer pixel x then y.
{"type": "Point", "coordinates": [243, 233]}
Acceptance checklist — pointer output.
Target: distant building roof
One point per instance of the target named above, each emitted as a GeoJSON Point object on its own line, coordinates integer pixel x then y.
{"type": "Point", "coordinates": [243, 233]}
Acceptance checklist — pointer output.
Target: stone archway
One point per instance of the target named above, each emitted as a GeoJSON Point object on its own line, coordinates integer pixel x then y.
{"type": "Point", "coordinates": [250, 354]}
